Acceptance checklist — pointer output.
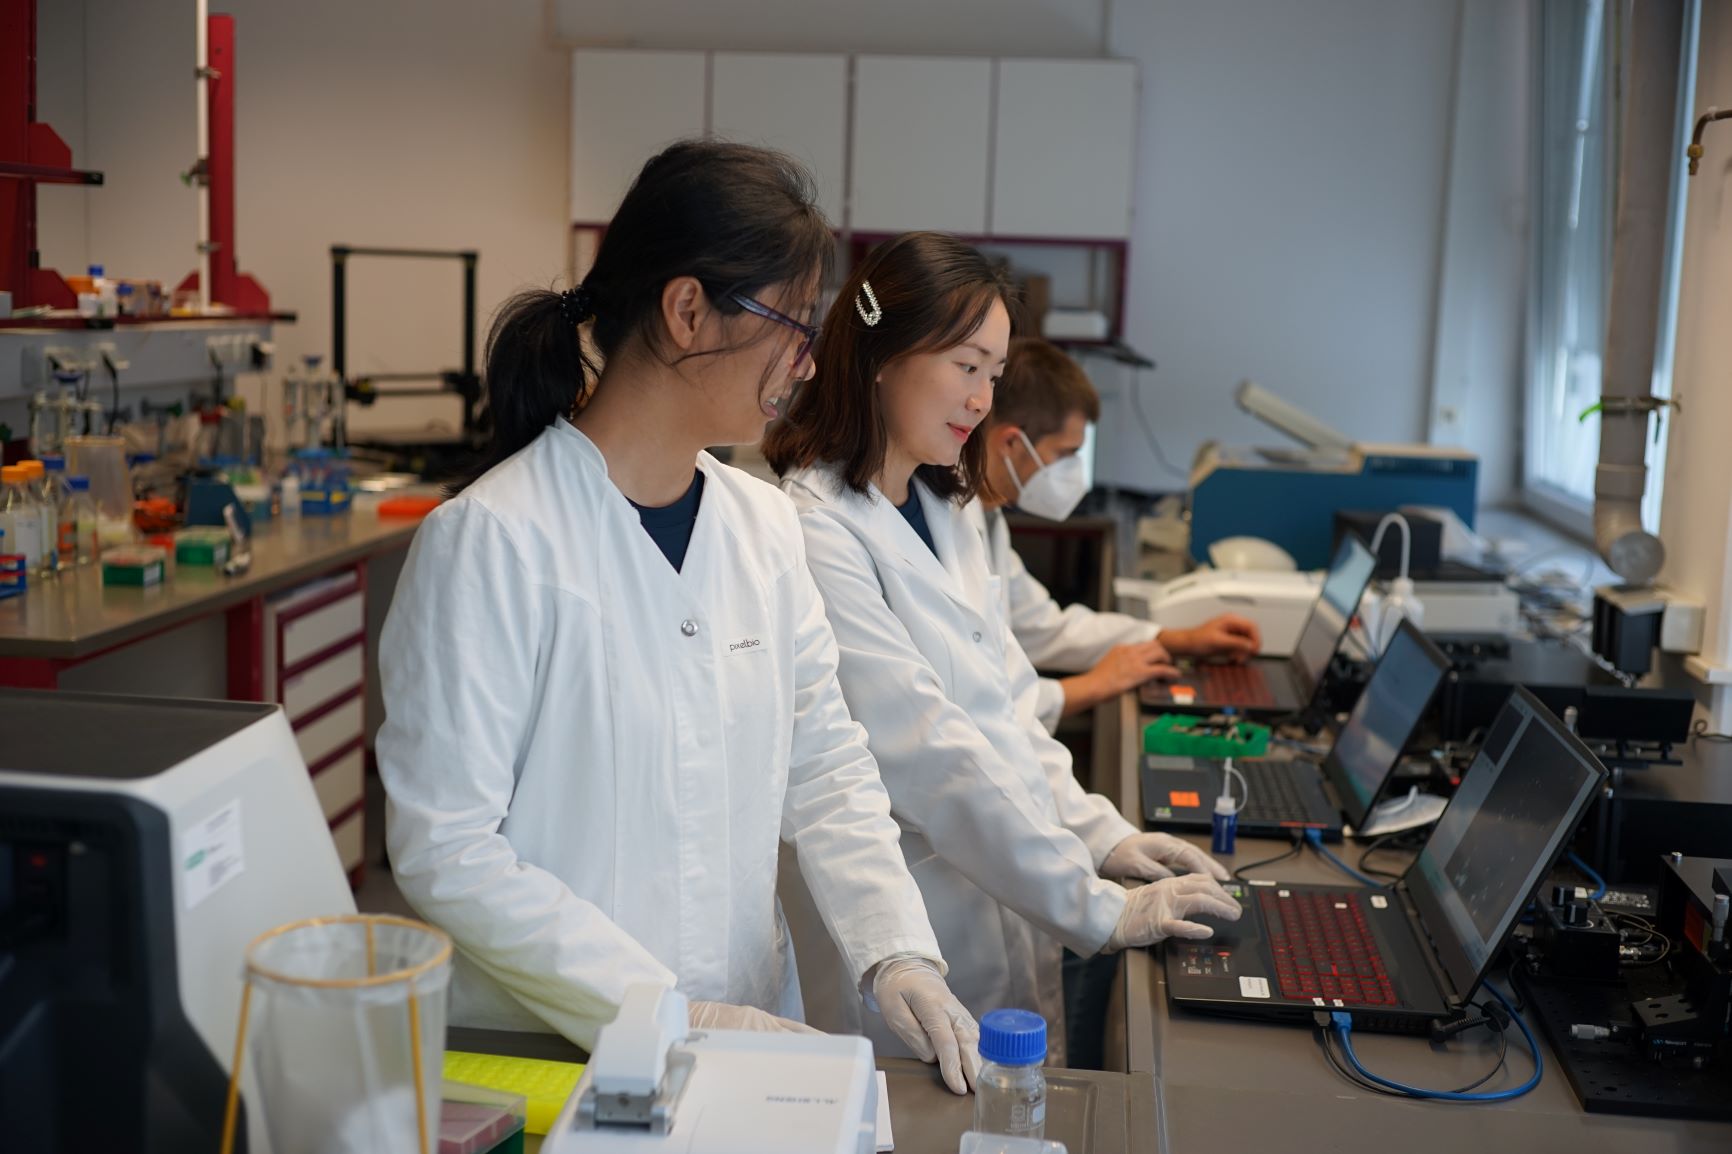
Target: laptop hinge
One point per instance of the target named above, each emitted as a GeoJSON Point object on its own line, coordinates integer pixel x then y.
{"type": "Point", "coordinates": [1428, 948]}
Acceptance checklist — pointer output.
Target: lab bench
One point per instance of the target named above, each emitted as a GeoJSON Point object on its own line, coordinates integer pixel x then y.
{"type": "Point", "coordinates": [1224, 1086]}
{"type": "Point", "coordinates": [1091, 1112]}
{"type": "Point", "coordinates": [292, 630]}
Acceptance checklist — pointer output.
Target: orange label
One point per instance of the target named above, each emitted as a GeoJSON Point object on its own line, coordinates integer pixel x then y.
{"type": "Point", "coordinates": [1183, 694]}
{"type": "Point", "coordinates": [1185, 799]}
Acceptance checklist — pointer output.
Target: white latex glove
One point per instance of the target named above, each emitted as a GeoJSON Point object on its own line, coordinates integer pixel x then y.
{"type": "Point", "coordinates": [1159, 910]}
{"type": "Point", "coordinates": [919, 1007]}
{"type": "Point", "coordinates": [1151, 856]}
{"type": "Point", "coordinates": [723, 1016]}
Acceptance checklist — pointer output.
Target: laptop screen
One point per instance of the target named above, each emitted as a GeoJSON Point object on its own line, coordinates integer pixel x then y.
{"type": "Point", "coordinates": [1504, 830]}
{"type": "Point", "coordinates": [1383, 720]}
{"type": "Point", "coordinates": [1343, 586]}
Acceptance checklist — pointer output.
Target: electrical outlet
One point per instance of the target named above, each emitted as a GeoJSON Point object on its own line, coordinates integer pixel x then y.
{"type": "Point", "coordinates": [226, 349]}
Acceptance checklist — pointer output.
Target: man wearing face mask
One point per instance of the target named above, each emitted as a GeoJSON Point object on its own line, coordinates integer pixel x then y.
{"type": "Point", "coordinates": [1041, 411]}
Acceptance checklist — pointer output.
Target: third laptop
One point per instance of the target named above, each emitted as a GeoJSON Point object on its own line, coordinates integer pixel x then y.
{"type": "Point", "coordinates": [1278, 685]}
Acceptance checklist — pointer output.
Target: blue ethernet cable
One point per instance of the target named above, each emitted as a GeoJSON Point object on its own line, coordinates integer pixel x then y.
{"type": "Point", "coordinates": [1315, 837]}
{"type": "Point", "coordinates": [1598, 881]}
{"type": "Point", "coordinates": [1342, 1023]}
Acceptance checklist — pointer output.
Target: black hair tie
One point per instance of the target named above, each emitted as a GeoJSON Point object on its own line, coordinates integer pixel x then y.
{"type": "Point", "coordinates": [577, 305]}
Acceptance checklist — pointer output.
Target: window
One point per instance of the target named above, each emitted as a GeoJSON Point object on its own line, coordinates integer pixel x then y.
{"type": "Point", "coordinates": [1574, 217]}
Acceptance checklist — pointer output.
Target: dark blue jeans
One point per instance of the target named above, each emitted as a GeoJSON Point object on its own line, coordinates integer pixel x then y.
{"type": "Point", "coordinates": [1088, 984]}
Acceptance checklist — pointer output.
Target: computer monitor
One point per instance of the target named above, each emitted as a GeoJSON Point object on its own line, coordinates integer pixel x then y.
{"type": "Point", "coordinates": [1383, 720]}
{"type": "Point", "coordinates": [1343, 586]}
{"type": "Point", "coordinates": [1505, 829]}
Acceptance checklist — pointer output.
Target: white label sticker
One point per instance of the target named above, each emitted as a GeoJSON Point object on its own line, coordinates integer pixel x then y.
{"type": "Point", "coordinates": [211, 854]}
{"type": "Point", "coordinates": [1379, 902]}
{"type": "Point", "coordinates": [1317, 1001]}
{"type": "Point", "coordinates": [1253, 987]}
{"type": "Point", "coordinates": [1339, 1003]}
{"type": "Point", "coordinates": [1283, 893]}
{"type": "Point", "coordinates": [1261, 882]}
{"type": "Point", "coordinates": [1340, 905]}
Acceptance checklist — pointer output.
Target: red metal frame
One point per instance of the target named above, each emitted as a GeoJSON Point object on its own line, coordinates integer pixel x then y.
{"type": "Point", "coordinates": [30, 153]}
{"type": "Point", "coordinates": [228, 285]}
{"type": "Point", "coordinates": [246, 627]}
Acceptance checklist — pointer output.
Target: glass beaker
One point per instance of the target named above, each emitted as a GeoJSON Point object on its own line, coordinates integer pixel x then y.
{"type": "Point", "coordinates": [103, 460]}
{"type": "Point", "coordinates": [346, 1035]}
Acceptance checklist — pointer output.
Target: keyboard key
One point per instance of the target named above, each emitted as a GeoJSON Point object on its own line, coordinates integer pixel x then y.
{"type": "Point", "coordinates": [1324, 947]}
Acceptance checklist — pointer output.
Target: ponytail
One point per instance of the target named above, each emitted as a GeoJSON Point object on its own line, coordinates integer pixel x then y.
{"type": "Point", "coordinates": [536, 372]}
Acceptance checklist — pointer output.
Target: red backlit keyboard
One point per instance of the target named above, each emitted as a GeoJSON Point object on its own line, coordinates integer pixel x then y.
{"type": "Point", "coordinates": [1242, 685]}
{"type": "Point", "coordinates": [1324, 948]}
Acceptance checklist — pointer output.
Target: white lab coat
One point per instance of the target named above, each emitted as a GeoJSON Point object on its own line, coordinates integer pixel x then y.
{"type": "Point", "coordinates": [590, 758]}
{"type": "Point", "coordinates": [1002, 839]}
{"type": "Point", "coordinates": [1068, 638]}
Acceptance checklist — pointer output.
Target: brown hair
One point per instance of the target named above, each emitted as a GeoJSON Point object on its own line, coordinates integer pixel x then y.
{"type": "Point", "coordinates": [933, 291]}
{"type": "Point", "coordinates": [1041, 387]}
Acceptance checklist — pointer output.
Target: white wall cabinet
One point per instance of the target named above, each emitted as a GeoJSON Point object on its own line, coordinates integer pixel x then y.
{"type": "Point", "coordinates": [922, 143]}
{"type": "Point", "coordinates": [1065, 149]}
{"type": "Point", "coordinates": [987, 148]}
{"type": "Point", "coordinates": [625, 107]}
{"type": "Point", "coordinates": [797, 103]}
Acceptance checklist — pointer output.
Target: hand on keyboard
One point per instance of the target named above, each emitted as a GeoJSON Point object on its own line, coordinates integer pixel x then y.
{"type": "Point", "coordinates": [1163, 909]}
{"type": "Point", "coordinates": [1228, 637]}
{"type": "Point", "coordinates": [1127, 666]}
{"type": "Point", "coordinates": [1151, 856]}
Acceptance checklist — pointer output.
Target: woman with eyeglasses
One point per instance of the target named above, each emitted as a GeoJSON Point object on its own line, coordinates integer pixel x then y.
{"type": "Point", "coordinates": [609, 682]}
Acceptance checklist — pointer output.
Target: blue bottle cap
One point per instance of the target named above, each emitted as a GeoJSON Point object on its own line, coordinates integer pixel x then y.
{"type": "Point", "coordinates": [53, 463]}
{"type": "Point", "coordinates": [95, 270]}
{"type": "Point", "coordinates": [78, 484]}
{"type": "Point", "coordinates": [1013, 1038]}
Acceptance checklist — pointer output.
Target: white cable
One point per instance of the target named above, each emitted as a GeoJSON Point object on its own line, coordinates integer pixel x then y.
{"type": "Point", "coordinates": [1231, 772]}
{"type": "Point", "coordinates": [1406, 537]}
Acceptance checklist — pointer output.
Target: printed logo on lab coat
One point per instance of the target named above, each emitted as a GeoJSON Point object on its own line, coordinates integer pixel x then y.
{"type": "Point", "coordinates": [746, 645]}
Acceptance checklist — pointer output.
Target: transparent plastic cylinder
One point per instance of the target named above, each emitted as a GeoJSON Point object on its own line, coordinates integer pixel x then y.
{"type": "Point", "coordinates": [343, 1024]}
{"type": "Point", "coordinates": [103, 460]}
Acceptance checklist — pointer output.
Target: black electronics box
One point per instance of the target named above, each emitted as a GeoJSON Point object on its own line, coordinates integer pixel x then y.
{"type": "Point", "coordinates": [1426, 555]}
{"type": "Point", "coordinates": [1562, 677]}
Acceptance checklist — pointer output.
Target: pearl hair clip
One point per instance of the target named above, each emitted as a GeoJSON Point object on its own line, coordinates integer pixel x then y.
{"type": "Point", "coordinates": [873, 315]}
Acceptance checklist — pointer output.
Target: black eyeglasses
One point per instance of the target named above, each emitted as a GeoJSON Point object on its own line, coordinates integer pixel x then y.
{"type": "Point", "coordinates": [808, 333]}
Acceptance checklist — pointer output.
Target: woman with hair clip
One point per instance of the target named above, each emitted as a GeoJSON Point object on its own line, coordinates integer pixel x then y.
{"type": "Point", "coordinates": [609, 683]}
{"type": "Point", "coordinates": [880, 454]}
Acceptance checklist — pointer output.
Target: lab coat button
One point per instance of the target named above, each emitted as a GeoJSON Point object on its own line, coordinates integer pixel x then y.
{"type": "Point", "coordinates": [977, 635]}
{"type": "Point", "coordinates": [689, 627]}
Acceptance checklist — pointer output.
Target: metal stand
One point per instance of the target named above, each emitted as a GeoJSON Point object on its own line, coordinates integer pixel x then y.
{"type": "Point", "coordinates": [464, 382]}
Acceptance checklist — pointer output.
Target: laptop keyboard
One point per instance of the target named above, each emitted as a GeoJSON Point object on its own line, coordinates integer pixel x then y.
{"type": "Point", "coordinates": [1324, 948]}
{"type": "Point", "coordinates": [1242, 685]}
{"type": "Point", "coordinates": [1275, 796]}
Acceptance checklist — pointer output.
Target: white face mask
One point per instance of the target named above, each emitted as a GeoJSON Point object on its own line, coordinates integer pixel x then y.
{"type": "Point", "coordinates": [1054, 490]}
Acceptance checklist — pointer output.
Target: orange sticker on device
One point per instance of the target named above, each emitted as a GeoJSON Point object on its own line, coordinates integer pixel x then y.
{"type": "Point", "coordinates": [1185, 799]}
{"type": "Point", "coordinates": [1183, 694]}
